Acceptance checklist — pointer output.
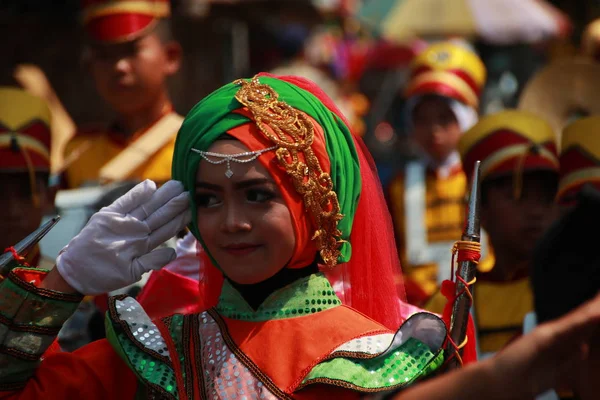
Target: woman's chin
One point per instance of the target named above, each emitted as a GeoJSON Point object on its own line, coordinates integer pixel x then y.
{"type": "Point", "coordinates": [242, 279]}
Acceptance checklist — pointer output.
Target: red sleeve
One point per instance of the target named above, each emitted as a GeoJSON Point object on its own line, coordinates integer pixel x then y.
{"type": "Point", "coordinates": [167, 293]}
{"type": "Point", "coordinates": [93, 372]}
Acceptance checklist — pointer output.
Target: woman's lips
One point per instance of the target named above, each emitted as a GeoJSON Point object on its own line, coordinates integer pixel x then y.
{"type": "Point", "coordinates": [242, 249]}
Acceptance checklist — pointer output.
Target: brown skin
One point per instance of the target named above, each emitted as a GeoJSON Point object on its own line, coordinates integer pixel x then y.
{"type": "Point", "coordinates": [55, 281]}
{"type": "Point", "coordinates": [18, 213]}
{"type": "Point", "coordinates": [435, 128]}
{"type": "Point", "coordinates": [246, 212]}
{"type": "Point", "coordinates": [244, 220]}
{"type": "Point", "coordinates": [131, 77]}
{"type": "Point", "coordinates": [515, 225]}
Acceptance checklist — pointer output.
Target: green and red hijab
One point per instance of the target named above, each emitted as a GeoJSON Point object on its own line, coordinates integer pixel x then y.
{"type": "Point", "coordinates": [368, 264]}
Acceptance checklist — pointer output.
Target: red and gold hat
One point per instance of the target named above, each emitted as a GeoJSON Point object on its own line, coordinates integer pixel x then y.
{"type": "Point", "coordinates": [590, 40]}
{"type": "Point", "coordinates": [509, 142]}
{"type": "Point", "coordinates": [579, 158]}
{"type": "Point", "coordinates": [447, 69]}
{"type": "Point", "coordinates": [122, 20]}
{"type": "Point", "coordinates": [24, 131]}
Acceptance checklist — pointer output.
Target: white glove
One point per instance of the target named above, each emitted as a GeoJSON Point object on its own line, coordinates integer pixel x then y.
{"type": "Point", "coordinates": [115, 248]}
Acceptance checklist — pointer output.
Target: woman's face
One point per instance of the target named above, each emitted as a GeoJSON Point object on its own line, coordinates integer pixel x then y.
{"type": "Point", "coordinates": [243, 220]}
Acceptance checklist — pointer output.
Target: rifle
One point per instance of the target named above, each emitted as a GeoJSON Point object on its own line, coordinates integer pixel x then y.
{"type": "Point", "coordinates": [23, 247]}
{"type": "Point", "coordinates": [467, 268]}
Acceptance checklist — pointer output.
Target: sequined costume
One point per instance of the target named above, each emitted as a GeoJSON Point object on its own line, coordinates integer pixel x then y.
{"type": "Point", "coordinates": [220, 353]}
{"type": "Point", "coordinates": [305, 340]}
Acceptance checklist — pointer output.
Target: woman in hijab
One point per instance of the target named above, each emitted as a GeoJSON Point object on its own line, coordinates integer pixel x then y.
{"type": "Point", "coordinates": [303, 274]}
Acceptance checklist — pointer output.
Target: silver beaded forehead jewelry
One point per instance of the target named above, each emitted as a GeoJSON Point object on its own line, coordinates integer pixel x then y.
{"type": "Point", "coordinates": [241, 158]}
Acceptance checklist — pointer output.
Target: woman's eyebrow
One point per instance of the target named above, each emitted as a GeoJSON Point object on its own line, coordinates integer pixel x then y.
{"type": "Point", "coordinates": [210, 186]}
{"type": "Point", "coordinates": [251, 182]}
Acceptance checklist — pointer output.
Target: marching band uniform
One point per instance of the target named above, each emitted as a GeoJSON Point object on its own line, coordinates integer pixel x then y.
{"type": "Point", "coordinates": [106, 155]}
{"type": "Point", "coordinates": [25, 147]}
{"type": "Point", "coordinates": [579, 159]}
{"type": "Point", "coordinates": [507, 142]}
{"type": "Point", "coordinates": [557, 291]}
{"type": "Point", "coordinates": [427, 201]}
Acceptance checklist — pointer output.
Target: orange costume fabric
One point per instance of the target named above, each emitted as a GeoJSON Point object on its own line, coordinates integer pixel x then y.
{"type": "Point", "coordinates": [265, 347]}
{"type": "Point", "coordinates": [97, 372]}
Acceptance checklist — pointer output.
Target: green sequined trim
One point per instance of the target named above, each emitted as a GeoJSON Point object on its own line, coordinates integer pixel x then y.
{"type": "Point", "coordinates": [303, 297]}
{"type": "Point", "coordinates": [29, 308]}
{"type": "Point", "coordinates": [411, 361]}
{"type": "Point", "coordinates": [30, 318]}
{"type": "Point", "coordinates": [150, 370]}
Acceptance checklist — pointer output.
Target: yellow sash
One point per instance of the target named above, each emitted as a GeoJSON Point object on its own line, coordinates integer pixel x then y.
{"type": "Point", "coordinates": [140, 150]}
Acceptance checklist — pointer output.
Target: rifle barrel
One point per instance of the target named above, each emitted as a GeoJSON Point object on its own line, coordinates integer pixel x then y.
{"type": "Point", "coordinates": [466, 269]}
{"type": "Point", "coordinates": [26, 244]}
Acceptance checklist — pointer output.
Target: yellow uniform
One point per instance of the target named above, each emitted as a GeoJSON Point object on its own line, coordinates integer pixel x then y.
{"type": "Point", "coordinates": [428, 203]}
{"type": "Point", "coordinates": [442, 210]}
{"type": "Point", "coordinates": [87, 153]}
{"type": "Point", "coordinates": [499, 307]}
{"type": "Point", "coordinates": [100, 157]}
{"type": "Point", "coordinates": [507, 143]}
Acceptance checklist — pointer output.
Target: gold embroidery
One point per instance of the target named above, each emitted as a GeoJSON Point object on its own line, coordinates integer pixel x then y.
{"type": "Point", "coordinates": [293, 133]}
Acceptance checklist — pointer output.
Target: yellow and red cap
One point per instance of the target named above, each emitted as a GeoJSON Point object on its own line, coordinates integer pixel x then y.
{"type": "Point", "coordinates": [113, 21]}
{"type": "Point", "coordinates": [24, 131]}
{"type": "Point", "coordinates": [510, 141]}
{"type": "Point", "coordinates": [590, 40]}
{"type": "Point", "coordinates": [579, 158]}
{"type": "Point", "coordinates": [450, 70]}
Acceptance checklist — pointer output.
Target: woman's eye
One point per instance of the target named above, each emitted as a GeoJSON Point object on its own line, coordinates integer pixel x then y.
{"type": "Point", "coordinates": [259, 196]}
{"type": "Point", "coordinates": [206, 200]}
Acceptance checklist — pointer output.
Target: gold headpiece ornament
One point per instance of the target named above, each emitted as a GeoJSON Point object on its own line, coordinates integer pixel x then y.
{"type": "Point", "coordinates": [292, 132]}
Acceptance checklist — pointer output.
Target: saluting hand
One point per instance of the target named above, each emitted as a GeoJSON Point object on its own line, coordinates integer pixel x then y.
{"type": "Point", "coordinates": [116, 246]}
